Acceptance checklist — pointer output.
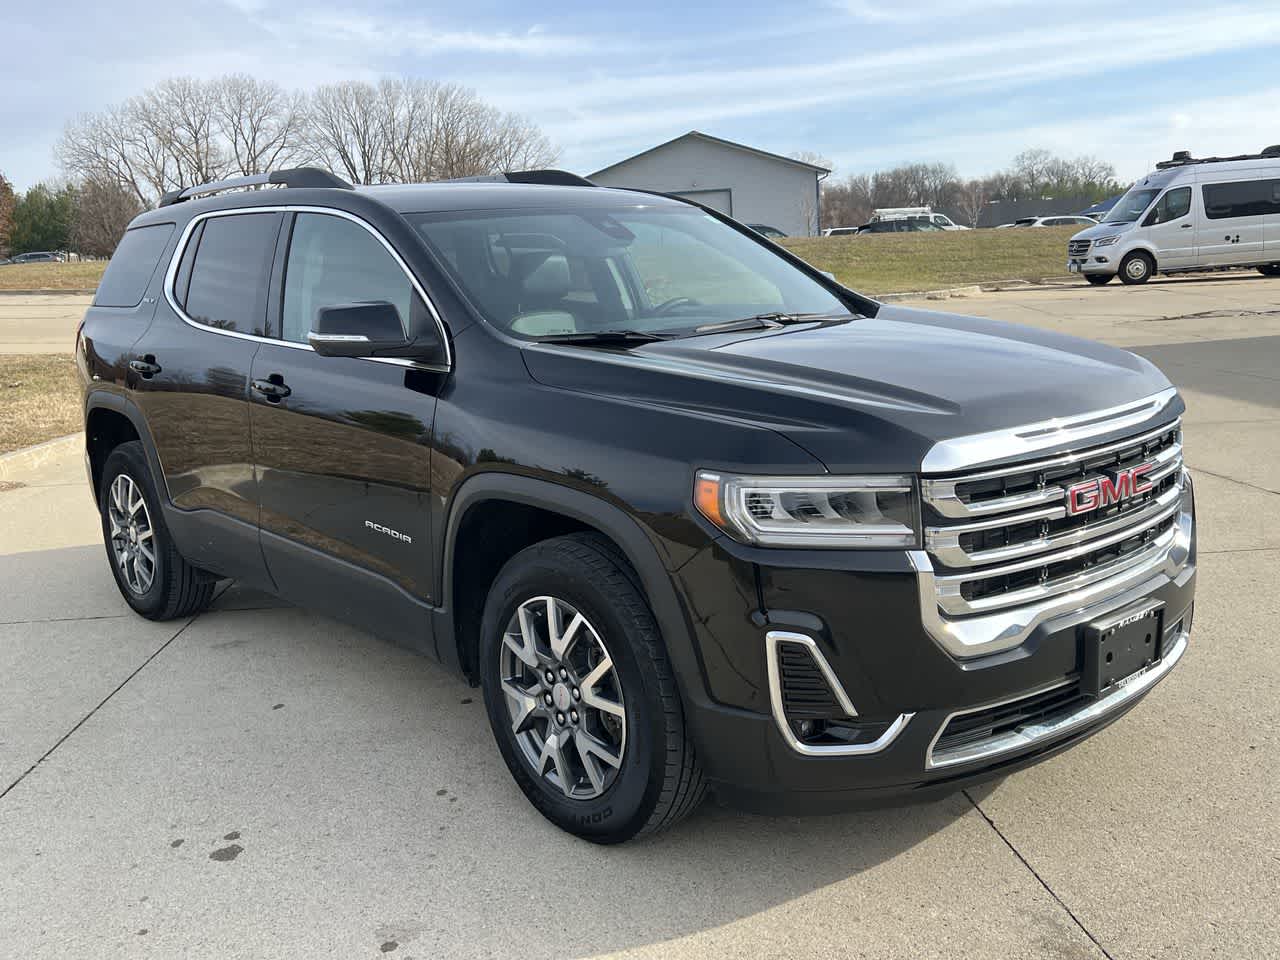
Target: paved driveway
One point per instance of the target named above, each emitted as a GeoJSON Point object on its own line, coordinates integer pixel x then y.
{"type": "Point", "coordinates": [259, 781]}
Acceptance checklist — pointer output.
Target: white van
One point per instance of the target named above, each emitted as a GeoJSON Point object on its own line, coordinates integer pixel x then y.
{"type": "Point", "coordinates": [1188, 215]}
{"type": "Point", "coordinates": [940, 220]}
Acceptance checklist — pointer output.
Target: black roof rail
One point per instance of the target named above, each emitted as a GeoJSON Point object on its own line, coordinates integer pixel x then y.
{"type": "Point", "coordinates": [297, 177]}
{"type": "Point", "coordinates": [555, 178]}
{"type": "Point", "coordinates": [1183, 158]}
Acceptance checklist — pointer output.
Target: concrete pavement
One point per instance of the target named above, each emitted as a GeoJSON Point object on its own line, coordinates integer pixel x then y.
{"type": "Point", "coordinates": [259, 781]}
{"type": "Point", "coordinates": [40, 323]}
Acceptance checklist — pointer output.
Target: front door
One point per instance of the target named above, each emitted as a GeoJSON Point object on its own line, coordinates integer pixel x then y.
{"type": "Point", "coordinates": [1231, 229]}
{"type": "Point", "coordinates": [341, 446]}
{"type": "Point", "coordinates": [1171, 229]}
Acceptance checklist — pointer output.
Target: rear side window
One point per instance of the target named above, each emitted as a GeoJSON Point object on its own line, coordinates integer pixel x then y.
{"type": "Point", "coordinates": [228, 285]}
{"type": "Point", "coordinates": [1247, 198]}
{"type": "Point", "coordinates": [332, 261]}
{"type": "Point", "coordinates": [129, 272]}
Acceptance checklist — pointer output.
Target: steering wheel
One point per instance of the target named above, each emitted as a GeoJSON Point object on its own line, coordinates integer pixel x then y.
{"type": "Point", "coordinates": [666, 306]}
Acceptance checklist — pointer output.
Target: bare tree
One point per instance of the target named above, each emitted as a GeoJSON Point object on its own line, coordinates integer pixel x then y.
{"type": "Point", "coordinates": [346, 129]}
{"type": "Point", "coordinates": [259, 122]}
{"type": "Point", "coordinates": [7, 201]}
{"type": "Point", "coordinates": [972, 201]}
{"type": "Point", "coordinates": [102, 211]}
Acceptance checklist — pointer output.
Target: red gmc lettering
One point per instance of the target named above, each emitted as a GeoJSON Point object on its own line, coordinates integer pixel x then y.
{"type": "Point", "coordinates": [1104, 491]}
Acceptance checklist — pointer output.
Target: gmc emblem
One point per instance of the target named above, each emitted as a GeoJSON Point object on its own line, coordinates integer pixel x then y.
{"type": "Point", "coordinates": [1106, 490]}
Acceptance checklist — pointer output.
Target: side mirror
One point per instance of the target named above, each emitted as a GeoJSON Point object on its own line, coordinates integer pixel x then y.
{"type": "Point", "coordinates": [368, 329]}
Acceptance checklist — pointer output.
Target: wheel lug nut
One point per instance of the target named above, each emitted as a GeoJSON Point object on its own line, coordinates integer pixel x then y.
{"type": "Point", "coordinates": [551, 677]}
{"type": "Point", "coordinates": [559, 717]}
{"type": "Point", "coordinates": [564, 674]}
{"type": "Point", "coordinates": [548, 699]}
{"type": "Point", "coordinates": [573, 715]}
{"type": "Point", "coordinates": [577, 694]}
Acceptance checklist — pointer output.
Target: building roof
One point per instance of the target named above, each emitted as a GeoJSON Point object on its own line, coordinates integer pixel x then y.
{"type": "Point", "coordinates": [723, 143]}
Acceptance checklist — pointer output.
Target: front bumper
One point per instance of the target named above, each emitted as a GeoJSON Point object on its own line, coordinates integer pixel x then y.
{"type": "Point", "coordinates": [863, 614]}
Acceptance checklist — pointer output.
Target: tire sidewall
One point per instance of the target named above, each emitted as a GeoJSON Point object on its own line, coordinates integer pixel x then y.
{"type": "Point", "coordinates": [128, 459]}
{"type": "Point", "coordinates": [624, 807]}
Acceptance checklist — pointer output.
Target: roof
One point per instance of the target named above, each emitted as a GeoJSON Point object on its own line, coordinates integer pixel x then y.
{"type": "Point", "coordinates": [697, 134]}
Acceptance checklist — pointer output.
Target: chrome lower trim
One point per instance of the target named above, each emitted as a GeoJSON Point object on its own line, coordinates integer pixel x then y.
{"type": "Point", "coordinates": [1022, 738]}
{"type": "Point", "coordinates": [771, 641]}
{"type": "Point", "coordinates": [960, 453]}
{"type": "Point", "coordinates": [998, 630]}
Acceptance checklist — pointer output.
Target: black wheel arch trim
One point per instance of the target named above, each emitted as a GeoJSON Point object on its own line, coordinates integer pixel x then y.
{"type": "Point", "coordinates": [102, 399]}
{"type": "Point", "coordinates": [612, 521]}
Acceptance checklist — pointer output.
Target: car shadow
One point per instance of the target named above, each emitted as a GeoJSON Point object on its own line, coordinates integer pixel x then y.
{"type": "Point", "coordinates": [1246, 369]}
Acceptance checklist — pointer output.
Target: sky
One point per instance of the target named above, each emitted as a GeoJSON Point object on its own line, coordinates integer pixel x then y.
{"type": "Point", "coordinates": [866, 84]}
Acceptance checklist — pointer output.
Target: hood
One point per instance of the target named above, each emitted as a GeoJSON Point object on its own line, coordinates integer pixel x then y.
{"type": "Point", "coordinates": [867, 394]}
{"type": "Point", "coordinates": [1100, 230]}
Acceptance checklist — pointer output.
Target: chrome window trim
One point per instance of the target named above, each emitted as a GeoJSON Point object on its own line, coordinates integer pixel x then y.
{"type": "Point", "coordinates": [959, 453]}
{"type": "Point", "coordinates": [174, 261]}
{"type": "Point", "coordinates": [1004, 629]}
{"type": "Point", "coordinates": [1024, 737]}
{"type": "Point", "coordinates": [771, 640]}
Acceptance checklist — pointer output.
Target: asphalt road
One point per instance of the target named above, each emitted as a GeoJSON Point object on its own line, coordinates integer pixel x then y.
{"type": "Point", "coordinates": [260, 781]}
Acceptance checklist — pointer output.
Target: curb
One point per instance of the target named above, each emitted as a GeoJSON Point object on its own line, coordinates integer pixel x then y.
{"type": "Point", "coordinates": [29, 458]}
{"type": "Point", "coordinates": [68, 292]}
{"type": "Point", "coordinates": [991, 286]}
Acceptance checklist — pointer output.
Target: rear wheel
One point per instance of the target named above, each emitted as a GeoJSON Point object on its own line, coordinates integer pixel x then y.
{"type": "Point", "coordinates": [580, 693]}
{"type": "Point", "coordinates": [152, 576]}
{"type": "Point", "coordinates": [1270, 270]}
{"type": "Point", "coordinates": [1098, 279]}
{"type": "Point", "coordinates": [1137, 267]}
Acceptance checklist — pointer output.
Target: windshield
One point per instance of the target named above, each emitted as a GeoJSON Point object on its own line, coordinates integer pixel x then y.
{"type": "Point", "coordinates": [538, 273]}
{"type": "Point", "coordinates": [1131, 206]}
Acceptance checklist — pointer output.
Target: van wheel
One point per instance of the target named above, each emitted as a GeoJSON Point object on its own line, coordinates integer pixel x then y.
{"type": "Point", "coordinates": [1137, 267]}
{"type": "Point", "coordinates": [1270, 269]}
{"type": "Point", "coordinates": [152, 576]}
{"type": "Point", "coordinates": [1098, 279]}
{"type": "Point", "coordinates": [581, 696]}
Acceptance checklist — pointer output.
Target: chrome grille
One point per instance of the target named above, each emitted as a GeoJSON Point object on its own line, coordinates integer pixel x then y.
{"type": "Point", "coordinates": [1004, 537]}
{"type": "Point", "coordinates": [1078, 248]}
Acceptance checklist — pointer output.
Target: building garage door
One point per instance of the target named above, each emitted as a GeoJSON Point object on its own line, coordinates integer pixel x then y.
{"type": "Point", "coordinates": [719, 200]}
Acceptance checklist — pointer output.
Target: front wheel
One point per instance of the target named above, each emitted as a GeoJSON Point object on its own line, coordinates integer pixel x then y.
{"type": "Point", "coordinates": [1270, 269]}
{"type": "Point", "coordinates": [580, 693]}
{"type": "Point", "coordinates": [1098, 279]}
{"type": "Point", "coordinates": [1137, 267]}
{"type": "Point", "coordinates": [153, 577]}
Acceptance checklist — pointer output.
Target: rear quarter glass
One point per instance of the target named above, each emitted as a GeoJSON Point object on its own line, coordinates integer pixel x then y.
{"type": "Point", "coordinates": [132, 265]}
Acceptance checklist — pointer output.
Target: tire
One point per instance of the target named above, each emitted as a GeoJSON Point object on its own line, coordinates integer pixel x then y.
{"type": "Point", "coordinates": [131, 519]}
{"type": "Point", "coordinates": [1098, 279]}
{"type": "Point", "coordinates": [1270, 269]}
{"type": "Point", "coordinates": [1136, 267]}
{"type": "Point", "coordinates": [653, 779]}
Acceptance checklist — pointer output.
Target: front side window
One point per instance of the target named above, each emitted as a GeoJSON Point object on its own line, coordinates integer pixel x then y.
{"type": "Point", "coordinates": [1172, 206]}
{"type": "Point", "coordinates": [1131, 206]}
{"type": "Point", "coordinates": [648, 268]}
{"type": "Point", "coordinates": [229, 272]}
{"type": "Point", "coordinates": [331, 261]}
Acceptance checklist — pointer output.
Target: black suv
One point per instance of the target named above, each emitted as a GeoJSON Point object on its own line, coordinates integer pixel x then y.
{"type": "Point", "coordinates": [690, 512]}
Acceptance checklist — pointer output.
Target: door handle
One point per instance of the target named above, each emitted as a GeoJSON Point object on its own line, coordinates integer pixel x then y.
{"type": "Point", "coordinates": [145, 367]}
{"type": "Point", "coordinates": [273, 388]}
{"type": "Point", "coordinates": [1186, 226]}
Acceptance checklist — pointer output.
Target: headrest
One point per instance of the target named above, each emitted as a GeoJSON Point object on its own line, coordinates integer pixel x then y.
{"type": "Point", "coordinates": [549, 278]}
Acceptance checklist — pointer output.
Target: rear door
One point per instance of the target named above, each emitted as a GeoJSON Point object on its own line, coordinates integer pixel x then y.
{"type": "Point", "coordinates": [1271, 224]}
{"type": "Point", "coordinates": [1231, 229]}
{"type": "Point", "coordinates": [341, 445]}
{"type": "Point", "coordinates": [1171, 229]}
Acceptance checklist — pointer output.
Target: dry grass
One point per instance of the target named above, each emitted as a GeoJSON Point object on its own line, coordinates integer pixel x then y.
{"type": "Point", "coordinates": [39, 399]}
{"type": "Point", "coordinates": [51, 276]}
{"type": "Point", "coordinates": [899, 263]}
{"type": "Point", "coordinates": [871, 264]}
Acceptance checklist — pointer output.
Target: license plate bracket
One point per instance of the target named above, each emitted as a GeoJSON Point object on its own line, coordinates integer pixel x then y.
{"type": "Point", "coordinates": [1121, 644]}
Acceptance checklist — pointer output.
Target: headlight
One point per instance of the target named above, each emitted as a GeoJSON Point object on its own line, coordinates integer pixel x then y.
{"type": "Point", "coordinates": [1105, 241]}
{"type": "Point", "coordinates": [848, 512]}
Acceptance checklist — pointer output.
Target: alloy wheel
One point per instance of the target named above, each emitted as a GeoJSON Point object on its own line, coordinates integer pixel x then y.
{"type": "Point", "coordinates": [132, 535]}
{"type": "Point", "coordinates": [563, 696]}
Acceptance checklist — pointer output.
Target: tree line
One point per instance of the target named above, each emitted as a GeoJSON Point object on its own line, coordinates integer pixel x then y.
{"type": "Point", "coordinates": [1034, 174]}
{"type": "Point", "coordinates": [184, 131]}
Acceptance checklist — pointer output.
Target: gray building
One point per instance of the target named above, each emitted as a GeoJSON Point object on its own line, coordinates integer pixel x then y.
{"type": "Point", "coordinates": [750, 185]}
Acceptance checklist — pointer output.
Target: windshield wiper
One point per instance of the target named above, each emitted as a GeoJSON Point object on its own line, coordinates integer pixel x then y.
{"type": "Point", "coordinates": [761, 321]}
{"type": "Point", "coordinates": [603, 337]}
